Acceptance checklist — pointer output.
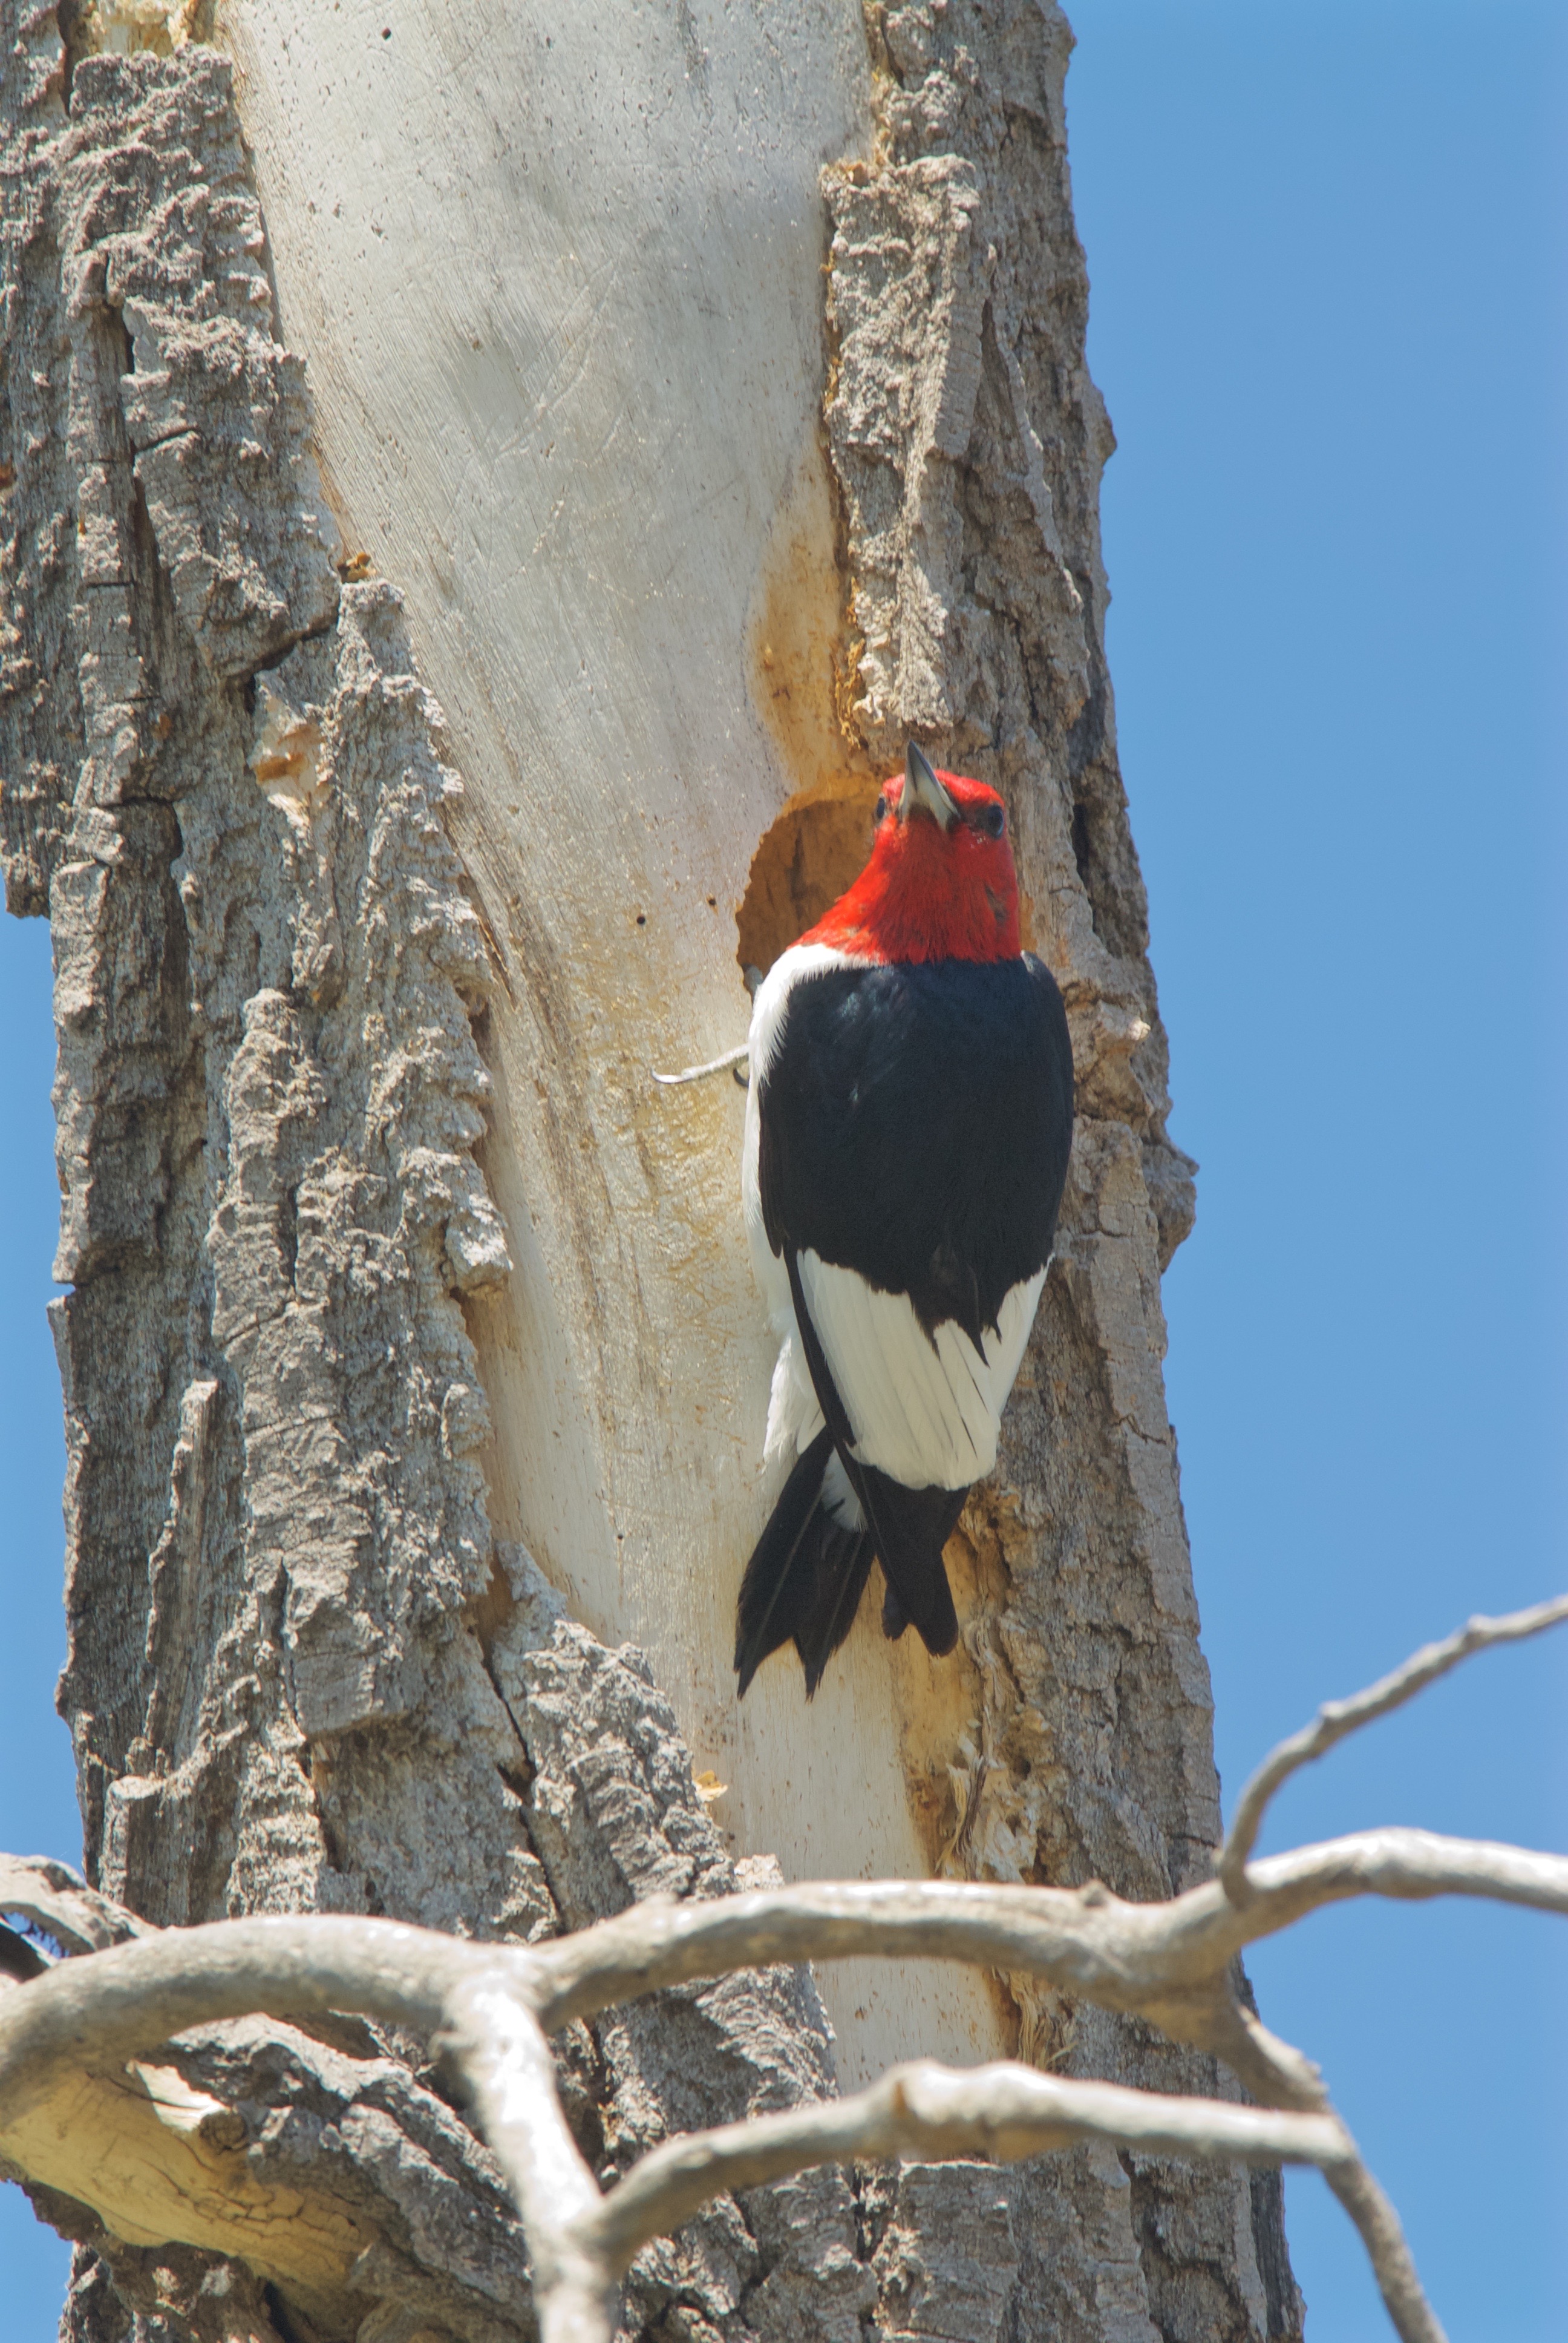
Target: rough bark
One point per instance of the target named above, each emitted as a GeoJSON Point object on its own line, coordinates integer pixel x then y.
{"type": "Point", "coordinates": [308, 936]}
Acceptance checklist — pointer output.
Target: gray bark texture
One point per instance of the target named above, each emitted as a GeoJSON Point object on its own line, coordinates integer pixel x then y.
{"type": "Point", "coordinates": [304, 1673]}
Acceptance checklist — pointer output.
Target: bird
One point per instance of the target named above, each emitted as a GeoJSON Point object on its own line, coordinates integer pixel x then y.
{"type": "Point", "coordinates": [908, 1121]}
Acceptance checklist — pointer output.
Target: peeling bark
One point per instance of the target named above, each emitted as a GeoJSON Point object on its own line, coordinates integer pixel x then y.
{"type": "Point", "coordinates": [354, 1017]}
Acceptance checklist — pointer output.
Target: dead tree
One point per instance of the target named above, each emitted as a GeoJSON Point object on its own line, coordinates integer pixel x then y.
{"type": "Point", "coordinates": [483, 507]}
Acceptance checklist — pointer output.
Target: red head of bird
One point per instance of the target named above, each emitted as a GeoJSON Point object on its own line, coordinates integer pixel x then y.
{"type": "Point", "coordinates": [941, 883]}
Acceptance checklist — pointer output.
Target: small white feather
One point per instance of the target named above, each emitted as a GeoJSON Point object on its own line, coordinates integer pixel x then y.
{"type": "Point", "coordinates": [839, 1498]}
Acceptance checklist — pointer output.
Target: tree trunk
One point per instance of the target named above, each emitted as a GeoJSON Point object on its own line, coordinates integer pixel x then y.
{"type": "Point", "coordinates": [695, 403]}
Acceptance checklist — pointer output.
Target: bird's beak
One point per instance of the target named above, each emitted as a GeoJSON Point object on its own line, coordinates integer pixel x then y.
{"type": "Point", "coordinates": [923, 788]}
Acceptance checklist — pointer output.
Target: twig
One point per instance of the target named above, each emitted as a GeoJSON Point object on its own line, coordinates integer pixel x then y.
{"type": "Point", "coordinates": [701, 1073]}
{"type": "Point", "coordinates": [1378, 2224]}
{"type": "Point", "coordinates": [1005, 2111]}
{"type": "Point", "coordinates": [1277, 2075]}
{"type": "Point", "coordinates": [1410, 1865]}
{"type": "Point", "coordinates": [1336, 1718]}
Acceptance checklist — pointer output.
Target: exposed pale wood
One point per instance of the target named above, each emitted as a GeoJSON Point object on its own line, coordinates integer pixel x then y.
{"type": "Point", "coordinates": [582, 432]}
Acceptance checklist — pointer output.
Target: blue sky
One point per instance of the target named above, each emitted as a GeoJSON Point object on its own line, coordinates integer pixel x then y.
{"type": "Point", "coordinates": [1326, 252]}
{"type": "Point", "coordinates": [1326, 249]}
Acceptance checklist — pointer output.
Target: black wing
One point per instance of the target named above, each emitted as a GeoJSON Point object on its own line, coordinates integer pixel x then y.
{"type": "Point", "coordinates": [915, 1123]}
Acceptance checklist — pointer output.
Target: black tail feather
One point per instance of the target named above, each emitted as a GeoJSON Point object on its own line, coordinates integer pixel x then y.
{"type": "Point", "coordinates": [764, 1617]}
{"type": "Point", "coordinates": [804, 1579]}
{"type": "Point", "coordinates": [910, 1527]}
{"type": "Point", "coordinates": [840, 1564]}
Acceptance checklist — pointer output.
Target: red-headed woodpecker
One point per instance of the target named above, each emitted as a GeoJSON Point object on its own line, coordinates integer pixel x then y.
{"type": "Point", "coordinates": [907, 1132]}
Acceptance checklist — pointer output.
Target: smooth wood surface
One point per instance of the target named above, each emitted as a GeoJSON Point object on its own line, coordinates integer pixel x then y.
{"type": "Point", "coordinates": [556, 277]}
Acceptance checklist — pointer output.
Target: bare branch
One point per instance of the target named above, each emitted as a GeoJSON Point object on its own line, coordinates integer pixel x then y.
{"type": "Point", "coordinates": [96, 2013]}
{"type": "Point", "coordinates": [1336, 1718]}
{"type": "Point", "coordinates": [1410, 1865]}
{"type": "Point", "coordinates": [1275, 2072]}
{"type": "Point", "coordinates": [1067, 1934]}
{"type": "Point", "coordinates": [1168, 1962]}
{"type": "Point", "coordinates": [1128, 1956]}
{"type": "Point", "coordinates": [57, 1901]}
{"type": "Point", "coordinates": [507, 2062]}
{"type": "Point", "coordinates": [1002, 2110]}
{"type": "Point", "coordinates": [1278, 2074]}
{"type": "Point", "coordinates": [1378, 2224]}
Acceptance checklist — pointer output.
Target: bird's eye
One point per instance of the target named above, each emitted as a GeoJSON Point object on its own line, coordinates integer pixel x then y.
{"type": "Point", "coordinates": [992, 820]}
{"type": "Point", "coordinates": [881, 810]}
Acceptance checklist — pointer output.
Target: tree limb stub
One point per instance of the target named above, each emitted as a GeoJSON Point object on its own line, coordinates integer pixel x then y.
{"type": "Point", "coordinates": [731, 1058]}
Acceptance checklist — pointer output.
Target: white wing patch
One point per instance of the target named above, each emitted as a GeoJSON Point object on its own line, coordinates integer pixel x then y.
{"type": "Point", "coordinates": [926, 1413]}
